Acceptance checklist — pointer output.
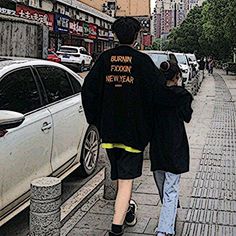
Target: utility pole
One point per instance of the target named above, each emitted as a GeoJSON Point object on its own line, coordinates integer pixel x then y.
{"type": "Point", "coordinates": [175, 15]}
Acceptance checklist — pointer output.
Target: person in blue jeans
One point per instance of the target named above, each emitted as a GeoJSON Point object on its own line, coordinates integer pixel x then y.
{"type": "Point", "coordinates": [169, 149]}
{"type": "Point", "coordinates": [118, 95]}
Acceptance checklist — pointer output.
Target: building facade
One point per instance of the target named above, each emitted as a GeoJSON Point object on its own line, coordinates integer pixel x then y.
{"type": "Point", "coordinates": [168, 14]}
{"type": "Point", "coordinates": [70, 22]}
{"type": "Point", "coordinates": [133, 8]}
{"type": "Point", "coordinates": [141, 10]}
{"type": "Point", "coordinates": [121, 7]}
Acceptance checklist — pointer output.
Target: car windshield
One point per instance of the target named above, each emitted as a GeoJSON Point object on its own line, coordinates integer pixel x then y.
{"type": "Point", "coordinates": [158, 58]}
{"type": "Point", "coordinates": [192, 57]}
{"type": "Point", "coordinates": [68, 50]}
{"type": "Point", "coordinates": [181, 59]}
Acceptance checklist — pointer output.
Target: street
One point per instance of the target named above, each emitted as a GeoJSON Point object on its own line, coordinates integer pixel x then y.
{"type": "Point", "coordinates": [207, 194]}
{"type": "Point", "coordinates": [178, 57]}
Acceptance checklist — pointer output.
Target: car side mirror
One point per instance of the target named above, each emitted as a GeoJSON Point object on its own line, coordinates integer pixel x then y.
{"type": "Point", "coordinates": [10, 119]}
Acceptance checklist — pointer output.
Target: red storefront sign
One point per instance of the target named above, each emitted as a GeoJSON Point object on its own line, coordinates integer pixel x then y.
{"type": "Point", "coordinates": [35, 15]}
{"type": "Point", "coordinates": [76, 27]}
{"type": "Point", "coordinates": [147, 40]}
{"type": "Point", "coordinates": [103, 34]}
{"type": "Point", "coordinates": [92, 31]}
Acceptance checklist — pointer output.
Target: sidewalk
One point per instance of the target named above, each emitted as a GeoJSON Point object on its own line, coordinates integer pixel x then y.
{"type": "Point", "coordinates": [208, 191]}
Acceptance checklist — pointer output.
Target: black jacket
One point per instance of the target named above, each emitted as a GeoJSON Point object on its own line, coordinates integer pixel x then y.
{"type": "Point", "coordinates": [169, 149]}
{"type": "Point", "coordinates": [118, 96]}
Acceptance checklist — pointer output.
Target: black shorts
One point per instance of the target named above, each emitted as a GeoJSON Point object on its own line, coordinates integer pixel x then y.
{"type": "Point", "coordinates": [125, 165]}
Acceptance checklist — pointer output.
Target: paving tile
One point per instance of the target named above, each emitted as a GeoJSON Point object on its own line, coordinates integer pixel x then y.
{"type": "Point", "coordinates": [140, 226]}
{"type": "Point", "coordinates": [95, 221]}
{"type": "Point", "coordinates": [146, 199]}
{"type": "Point", "coordinates": [207, 192]}
{"type": "Point", "coordinates": [179, 227]}
{"type": "Point", "coordinates": [104, 206]}
{"type": "Point", "coordinates": [151, 226]}
{"type": "Point", "coordinates": [86, 232]}
{"type": "Point", "coordinates": [149, 211]}
{"type": "Point", "coordinates": [147, 188]}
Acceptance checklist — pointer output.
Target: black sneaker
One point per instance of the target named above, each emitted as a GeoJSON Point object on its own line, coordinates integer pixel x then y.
{"type": "Point", "coordinates": [131, 217]}
{"type": "Point", "coordinates": [113, 234]}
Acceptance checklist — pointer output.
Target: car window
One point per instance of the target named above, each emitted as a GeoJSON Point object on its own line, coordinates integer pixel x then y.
{"type": "Point", "coordinates": [18, 92]}
{"type": "Point", "coordinates": [82, 51]}
{"type": "Point", "coordinates": [68, 50]}
{"type": "Point", "coordinates": [75, 83]}
{"type": "Point", "coordinates": [56, 83]}
{"type": "Point", "coordinates": [158, 58]}
{"type": "Point", "coordinates": [173, 58]}
{"type": "Point", "coordinates": [181, 59]}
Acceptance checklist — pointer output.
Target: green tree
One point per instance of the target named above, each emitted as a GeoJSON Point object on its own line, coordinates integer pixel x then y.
{"type": "Point", "coordinates": [160, 44]}
{"type": "Point", "coordinates": [207, 30]}
{"type": "Point", "coordinates": [185, 37]}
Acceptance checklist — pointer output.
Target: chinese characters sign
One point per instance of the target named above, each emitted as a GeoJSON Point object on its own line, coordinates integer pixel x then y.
{"type": "Point", "coordinates": [61, 23]}
{"type": "Point", "coordinates": [7, 11]}
{"type": "Point", "coordinates": [35, 15]}
{"type": "Point", "coordinates": [92, 31]}
{"type": "Point", "coordinates": [103, 34]}
{"type": "Point", "coordinates": [76, 27]}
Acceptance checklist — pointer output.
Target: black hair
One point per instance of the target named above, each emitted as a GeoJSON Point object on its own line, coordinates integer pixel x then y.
{"type": "Point", "coordinates": [126, 29]}
{"type": "Point", "coordinates": [170, 69]}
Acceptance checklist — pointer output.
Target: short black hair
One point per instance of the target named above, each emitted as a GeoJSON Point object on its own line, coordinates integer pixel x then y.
{"type": "Point", "coordinates": [126, 29]}
{"type": "Point", "coordinates": [170, 69]}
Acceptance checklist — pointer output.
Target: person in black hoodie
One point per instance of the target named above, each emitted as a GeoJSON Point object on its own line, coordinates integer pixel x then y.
{"type": "Point", "coordinates": [118, 96]}
{"type": "Point", "coordinates": [169, 149]}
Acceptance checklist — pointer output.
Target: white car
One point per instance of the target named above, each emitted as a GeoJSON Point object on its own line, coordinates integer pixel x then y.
{"type": "Point", "coordinates": [184, 66]}
{"type": "Point", "coordinates": [193, 59]}
{"type": "Point", "coordinates": [76, 58]}
{"type": "Point", "coordinates": [43, 129]}
{"type": "Point", "coordinates": [159, 56]}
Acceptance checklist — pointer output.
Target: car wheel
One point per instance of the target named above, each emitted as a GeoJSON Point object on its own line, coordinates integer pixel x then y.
{"type": "Point", "coordinates": [90, 152]}
{"type": "Point", "coordinates": [82, 67]}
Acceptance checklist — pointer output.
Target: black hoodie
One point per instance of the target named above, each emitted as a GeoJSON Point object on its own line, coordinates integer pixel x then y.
{"type": "Point", "coordinates": [169, 149]}
{"type": "Point", "coordinates": [118, 96]}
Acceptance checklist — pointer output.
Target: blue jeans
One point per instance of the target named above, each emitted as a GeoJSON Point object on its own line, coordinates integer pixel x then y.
{"type": "Point", "coordinates": [168, 187]}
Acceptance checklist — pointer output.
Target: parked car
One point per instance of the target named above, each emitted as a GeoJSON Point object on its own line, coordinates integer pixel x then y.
{"type": "Point", "coordinates": [52, 56]}
{"type": "Point", "coordinates": [159, 56]}
{"type": "Point", "coordinates": [184, 66]}
{"type": "Point", "coordinates": [193, 60]}
{"type": "Point", "coordinates": [229, 67]}
{"type": "Point", "coordinates": [43, 130]}
{"type": "Point", "coordinates": [193, 63]}
{"type": "Point", "coordinates": [76, 58]}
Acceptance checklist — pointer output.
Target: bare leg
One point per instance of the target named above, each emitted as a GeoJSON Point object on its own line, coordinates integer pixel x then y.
{"type": "Point", "coordinates": [122, 200]}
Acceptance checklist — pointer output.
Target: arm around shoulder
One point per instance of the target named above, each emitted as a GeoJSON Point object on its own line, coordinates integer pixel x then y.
{"type": "Point", "coordinates": [92, 92]}
{"type": "Point", "coordinates": [185, 108]}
